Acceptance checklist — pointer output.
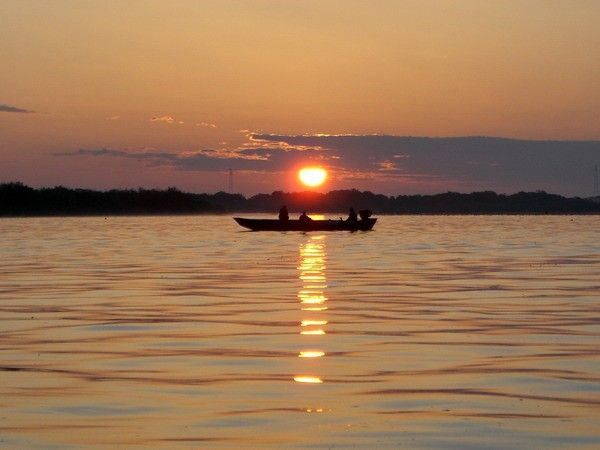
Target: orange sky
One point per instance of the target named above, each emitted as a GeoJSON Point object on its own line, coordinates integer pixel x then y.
{"type": "Point", "coordinates": [97, 72]}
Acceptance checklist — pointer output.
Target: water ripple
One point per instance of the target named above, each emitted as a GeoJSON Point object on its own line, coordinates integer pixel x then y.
{"type": "Point", "coordinates": [185, 331]}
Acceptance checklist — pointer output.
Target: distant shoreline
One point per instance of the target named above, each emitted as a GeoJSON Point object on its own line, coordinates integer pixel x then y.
{"type": "Point", "coordinates": [19, 200]}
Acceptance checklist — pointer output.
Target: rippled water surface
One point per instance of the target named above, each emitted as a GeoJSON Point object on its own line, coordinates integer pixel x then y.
{"type": "Point", "coordinates": [429, 332]}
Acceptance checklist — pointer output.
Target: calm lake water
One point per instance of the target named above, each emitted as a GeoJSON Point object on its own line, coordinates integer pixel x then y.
{"type": "Point", "coordinates": [429, 332]}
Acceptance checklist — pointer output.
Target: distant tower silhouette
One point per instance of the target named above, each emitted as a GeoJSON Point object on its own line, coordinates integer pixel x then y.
{"type": "Point", "coordinates": [596, 189]}
{"type": "Point", "coordinates": [230, 181]}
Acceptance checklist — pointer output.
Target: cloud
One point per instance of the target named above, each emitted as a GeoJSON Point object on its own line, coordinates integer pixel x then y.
{"type": "Point", "coordinates": [206, 125]}
{"type": "Point", "coordinates": [439, 164]}
{"type": "Point", "coordinates": [256, 141]}
{"type": "Point", "coordinates": [475, 161]}
{"type": "Point", "coordinates": [201, 160]}
{"type": "Point", "coordinates": [165, 119]}
{"type": "Point", "coordinates": [113, 118]}
{"type": "Point", "coordinates": [387, 165]}
{"type": "Point", "coordinates": [14, 109]}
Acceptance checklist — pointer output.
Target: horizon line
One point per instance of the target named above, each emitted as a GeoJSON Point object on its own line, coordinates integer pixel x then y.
{"type": "Point", "coordinates": [247, 196]}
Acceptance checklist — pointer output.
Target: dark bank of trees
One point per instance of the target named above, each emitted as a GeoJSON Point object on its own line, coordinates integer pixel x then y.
{"type": "Point", "coordinates": [17, 199]}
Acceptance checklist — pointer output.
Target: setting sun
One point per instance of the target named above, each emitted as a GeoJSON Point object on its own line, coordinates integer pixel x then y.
{"type": "Point", "coordinates": [312, 176]}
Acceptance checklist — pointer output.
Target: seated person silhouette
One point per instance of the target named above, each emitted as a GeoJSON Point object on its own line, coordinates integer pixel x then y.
{"type": "Point", "coordinates": [365, 214]}
{"type": "Point", "coordinates": [304, 218]}
{"type": "Point", "coordinates": [352, 216]}
{"type": "Point", "coordinates": [283, 213]}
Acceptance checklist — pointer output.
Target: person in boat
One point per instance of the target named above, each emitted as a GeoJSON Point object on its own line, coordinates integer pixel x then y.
{"type": "Point", "coordinates": [304, 218]}
{"type": "Point", "coordinates": [283, 213]}
{"type": "Point", "coordinates": [352, 216]}
{"type": "Point", "coordinates": [365, 214]}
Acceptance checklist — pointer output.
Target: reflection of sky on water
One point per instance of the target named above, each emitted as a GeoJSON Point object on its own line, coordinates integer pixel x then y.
{"type": "Point", "coordinates": [446, 331]}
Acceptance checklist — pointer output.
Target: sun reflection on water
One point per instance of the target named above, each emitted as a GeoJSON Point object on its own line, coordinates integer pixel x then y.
{"type": "Point", "coordinates": [307, 379]}
{"type": "Point", "coordinates": [312, 297]}
{"type": "Point", "coordinates": [311, 354]}
{"type": "Point", "coordinates": [313, 332]}
{"type": "Point", "coordinates": [307, 323]}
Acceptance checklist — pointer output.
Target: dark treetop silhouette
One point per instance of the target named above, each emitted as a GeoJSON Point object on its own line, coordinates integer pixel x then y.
{"type": "Point", "coordinates": [17, 199]}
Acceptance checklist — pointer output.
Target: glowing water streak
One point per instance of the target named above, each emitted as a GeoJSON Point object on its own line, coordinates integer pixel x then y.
{"type": "Point", "coordinates": [307, 379]}
{"type": "Point", "coordinates": [313, 332]}
{"type": "Point", "coordinates": [312, 275]}
{"type": "Point", "coordinates": [308, 323]}
{"type": "Point", "coordinates": [311, 354]}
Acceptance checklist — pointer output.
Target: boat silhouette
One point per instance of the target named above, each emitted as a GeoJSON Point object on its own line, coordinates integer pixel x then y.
{"type": "Point", "coordinates": [312, 225]}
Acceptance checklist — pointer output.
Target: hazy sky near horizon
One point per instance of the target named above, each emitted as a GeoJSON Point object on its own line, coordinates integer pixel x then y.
{"type": "Point", "coordinates": [150, 93]}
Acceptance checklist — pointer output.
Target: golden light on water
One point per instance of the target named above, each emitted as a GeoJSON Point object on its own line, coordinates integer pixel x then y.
{"type": "Point", "coordinates": [313, 299]}
{"type": "Point", "coordinates": [308, 323]}
{"type": "Point", "coordinates": [312, 277]}
{"type": "Point", "coordinates": [312, 292]}
{"type": "Point", "coordinates": [313, 332]}
{"type": "Point", "coordinates": [312, 176]}
{"type": "Point", "coordinates": [387, 363]}
{"type": "Point", "coordinates": [307, 379]}
{"type": "Point", "coordinates": [311, 354]}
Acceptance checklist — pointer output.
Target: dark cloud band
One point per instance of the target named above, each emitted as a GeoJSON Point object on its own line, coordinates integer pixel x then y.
{"type": "Point", "coordinates": [14, 109]}
{"type": "Point", "coordinates": [473, 162]}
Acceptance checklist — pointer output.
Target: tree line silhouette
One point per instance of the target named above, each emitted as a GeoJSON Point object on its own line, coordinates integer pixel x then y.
{"type": "Point", "coordinates": [17, 199]}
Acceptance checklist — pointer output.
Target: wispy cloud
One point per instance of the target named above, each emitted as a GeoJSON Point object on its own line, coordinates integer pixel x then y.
{"type": "Point", "coordinates": [14, 109]}
{"type": "Point", "coordinates": [165, 119]}
{"type": "Point", "coordinates": [206, 125]}
{"type": "Point", "coordinates": [258, 141]}
{"type": "Point", "coordinates": [201, 160]}
{"type": "Point", "coordinates": [113, 118]}
{"type": "Point", "coordinates": [387, 165]}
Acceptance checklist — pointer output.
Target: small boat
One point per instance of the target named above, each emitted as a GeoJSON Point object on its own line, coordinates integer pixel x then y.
{"type": "Point", "coordinates": [313, 225]}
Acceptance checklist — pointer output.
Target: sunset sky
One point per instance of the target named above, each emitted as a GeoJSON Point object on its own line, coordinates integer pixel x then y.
{"type": "Point", "coordinates": [105, 94]}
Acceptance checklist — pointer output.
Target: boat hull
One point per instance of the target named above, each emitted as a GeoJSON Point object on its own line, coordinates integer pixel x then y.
{"type": "Point", "coordinates": [313, 225]}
